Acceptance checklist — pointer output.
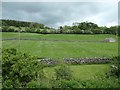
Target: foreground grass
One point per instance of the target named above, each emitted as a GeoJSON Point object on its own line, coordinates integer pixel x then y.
{"type": "Point", "coordinates": [82, 72]}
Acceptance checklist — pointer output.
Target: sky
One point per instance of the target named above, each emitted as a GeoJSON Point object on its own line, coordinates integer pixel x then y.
{"type": "Point", "coordinates": [55, 14]}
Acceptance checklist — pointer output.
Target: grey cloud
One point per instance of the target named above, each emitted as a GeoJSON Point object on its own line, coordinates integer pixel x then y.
{"type": "Point", "coordinates": [54, 14]}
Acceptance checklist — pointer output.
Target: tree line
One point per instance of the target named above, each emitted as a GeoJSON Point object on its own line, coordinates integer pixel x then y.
{"type": "Point", "coordinates": [88, 28]}
{"type": "Point", "coordinates": [76, 28]}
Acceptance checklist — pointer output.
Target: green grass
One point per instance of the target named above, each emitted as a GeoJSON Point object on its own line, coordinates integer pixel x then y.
{"type": "Point", "coordinates": [10, 35]}
{"type": "Point", "coordinates": [53, 49]}
{"type": "Point", "coordinates": [75, 37]}
{"type": "Point", "coordinates": [82, 72]}
{"type": "Point", "coordinates": [63, 49]}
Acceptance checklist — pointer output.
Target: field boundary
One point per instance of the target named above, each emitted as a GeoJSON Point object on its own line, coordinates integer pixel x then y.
{"type": "Point", "coordinates": [38, 39]}
{"type": "Point", "coordinates": [50, 61]}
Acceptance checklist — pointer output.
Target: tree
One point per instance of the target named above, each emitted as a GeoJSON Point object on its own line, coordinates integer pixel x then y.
{"type": "Point", "coordinates": [44, 31]}
{"type": "Point", "coordinates": [118, 30]}
{"type": "Point", "coordinates": [87, 25]}
{"type": "Point", "coordinates": [5, 28]}
{"type": "Point", "coordinates": [61, 29]}
{"type": "Point", "coordinates": [88, 32]}
{"type": "Point", "coordinates": [97, 31]}
{"type": "Point", "coordinates": [111, 30]}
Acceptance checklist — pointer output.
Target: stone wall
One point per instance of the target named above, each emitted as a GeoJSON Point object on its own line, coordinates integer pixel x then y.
{"type": "Point", "coordinates": [86, 60]}
{"type": "Point", "coordinates": [50, 61]}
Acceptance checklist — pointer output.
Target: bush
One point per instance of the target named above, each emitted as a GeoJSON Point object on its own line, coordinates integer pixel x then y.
{"type": "Point", "coordinates": [114, 69]}
{"type": "Point", "coordinates": [18, 69]}
{"type": "Point", "coordinates": [69, 84]}
{"type": "Point", "coordinates": [65, 84]}
{"type": "Point", "coordinates": [63, 72]}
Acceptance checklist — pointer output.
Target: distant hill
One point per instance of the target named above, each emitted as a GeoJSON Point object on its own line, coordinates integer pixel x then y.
{"type": "Point", "coordinates": [23, 24]}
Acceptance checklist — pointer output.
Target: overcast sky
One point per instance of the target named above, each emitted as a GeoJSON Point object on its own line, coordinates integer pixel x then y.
{"type": "Point", "coordinates": [54, 14]}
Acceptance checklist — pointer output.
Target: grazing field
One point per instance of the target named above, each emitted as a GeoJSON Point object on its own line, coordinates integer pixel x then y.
{"type": "Point", "coordinates": [82, 72]}
{"type": "Point", "coordinates": [62, 49]}
{"type": "Point", "coordinates": [75, 37]}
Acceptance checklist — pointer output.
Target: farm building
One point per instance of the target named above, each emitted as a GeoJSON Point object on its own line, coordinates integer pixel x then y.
{"type": "Point", "coordinates": [110, 40]}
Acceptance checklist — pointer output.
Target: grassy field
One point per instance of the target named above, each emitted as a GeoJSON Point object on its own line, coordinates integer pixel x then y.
{"type": "Point", "coordinates": [67, 46]}
{"type": "Point", "coordinates": [75, 37]}
{"type": "Point", "coordinates": [82, 72]}
{"type": "Point", "coordinates": [62, 49]}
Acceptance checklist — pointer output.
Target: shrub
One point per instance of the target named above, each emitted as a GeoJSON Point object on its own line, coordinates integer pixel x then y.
{"type": "Point", "coordinates": [69, 84]}
{"type": "Point", "coordinates": [18, 69]}
{"type": "Point", "coordinates": [63, 72]}
{"type": "Point", "coordinates": [114, 69]}
{"type": "Point", "coordinates": [65, 84]}
{"type": "Point", "coordinates": [33, 84]}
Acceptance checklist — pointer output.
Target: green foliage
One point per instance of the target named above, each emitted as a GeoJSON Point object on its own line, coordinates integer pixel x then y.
{"type": "Point", "coordinates": [44, 31]}
{"type": "Point", "coordinates": [99, 82]}
{"type": "Point", "coordinates": [118, 30]}
{"type": "Point", "coordinates": [111, 30]}
{"type": "Point", "coordinates": [97, 31]}
{"type": "Point", "coordinates": [33, 84]}
{"type": "Point", "coordinates": [22, 70]}
{"type": "Point", "coordinates": [87, 32]}
{"type": "Point", "coordinates": [114, 69]}
{"type": "Point", "coordinates": [65, 84]}
{"type": "Point", "coordinates": [18, 69]}
{"type": "Point", "coordinates": [69, 84]}
{"type": "Point", "coordinates": [78, 28]}
{"type": "Point", "coordinates": [88, 78]}
{"type": "Point", "coordinates": [21, 24]}
{"type": "Point", "coordinates": [63, 72]}
{"type": "Point", "coordinates": [87, 25]}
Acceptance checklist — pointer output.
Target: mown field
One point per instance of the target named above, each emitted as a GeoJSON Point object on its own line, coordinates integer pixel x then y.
{"type": "Point", "coordinates": [71, 37]}
{"type": "Point", "coordinates": [82, 72]}
{"type": "Point", "coordinates": [62, 45]}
